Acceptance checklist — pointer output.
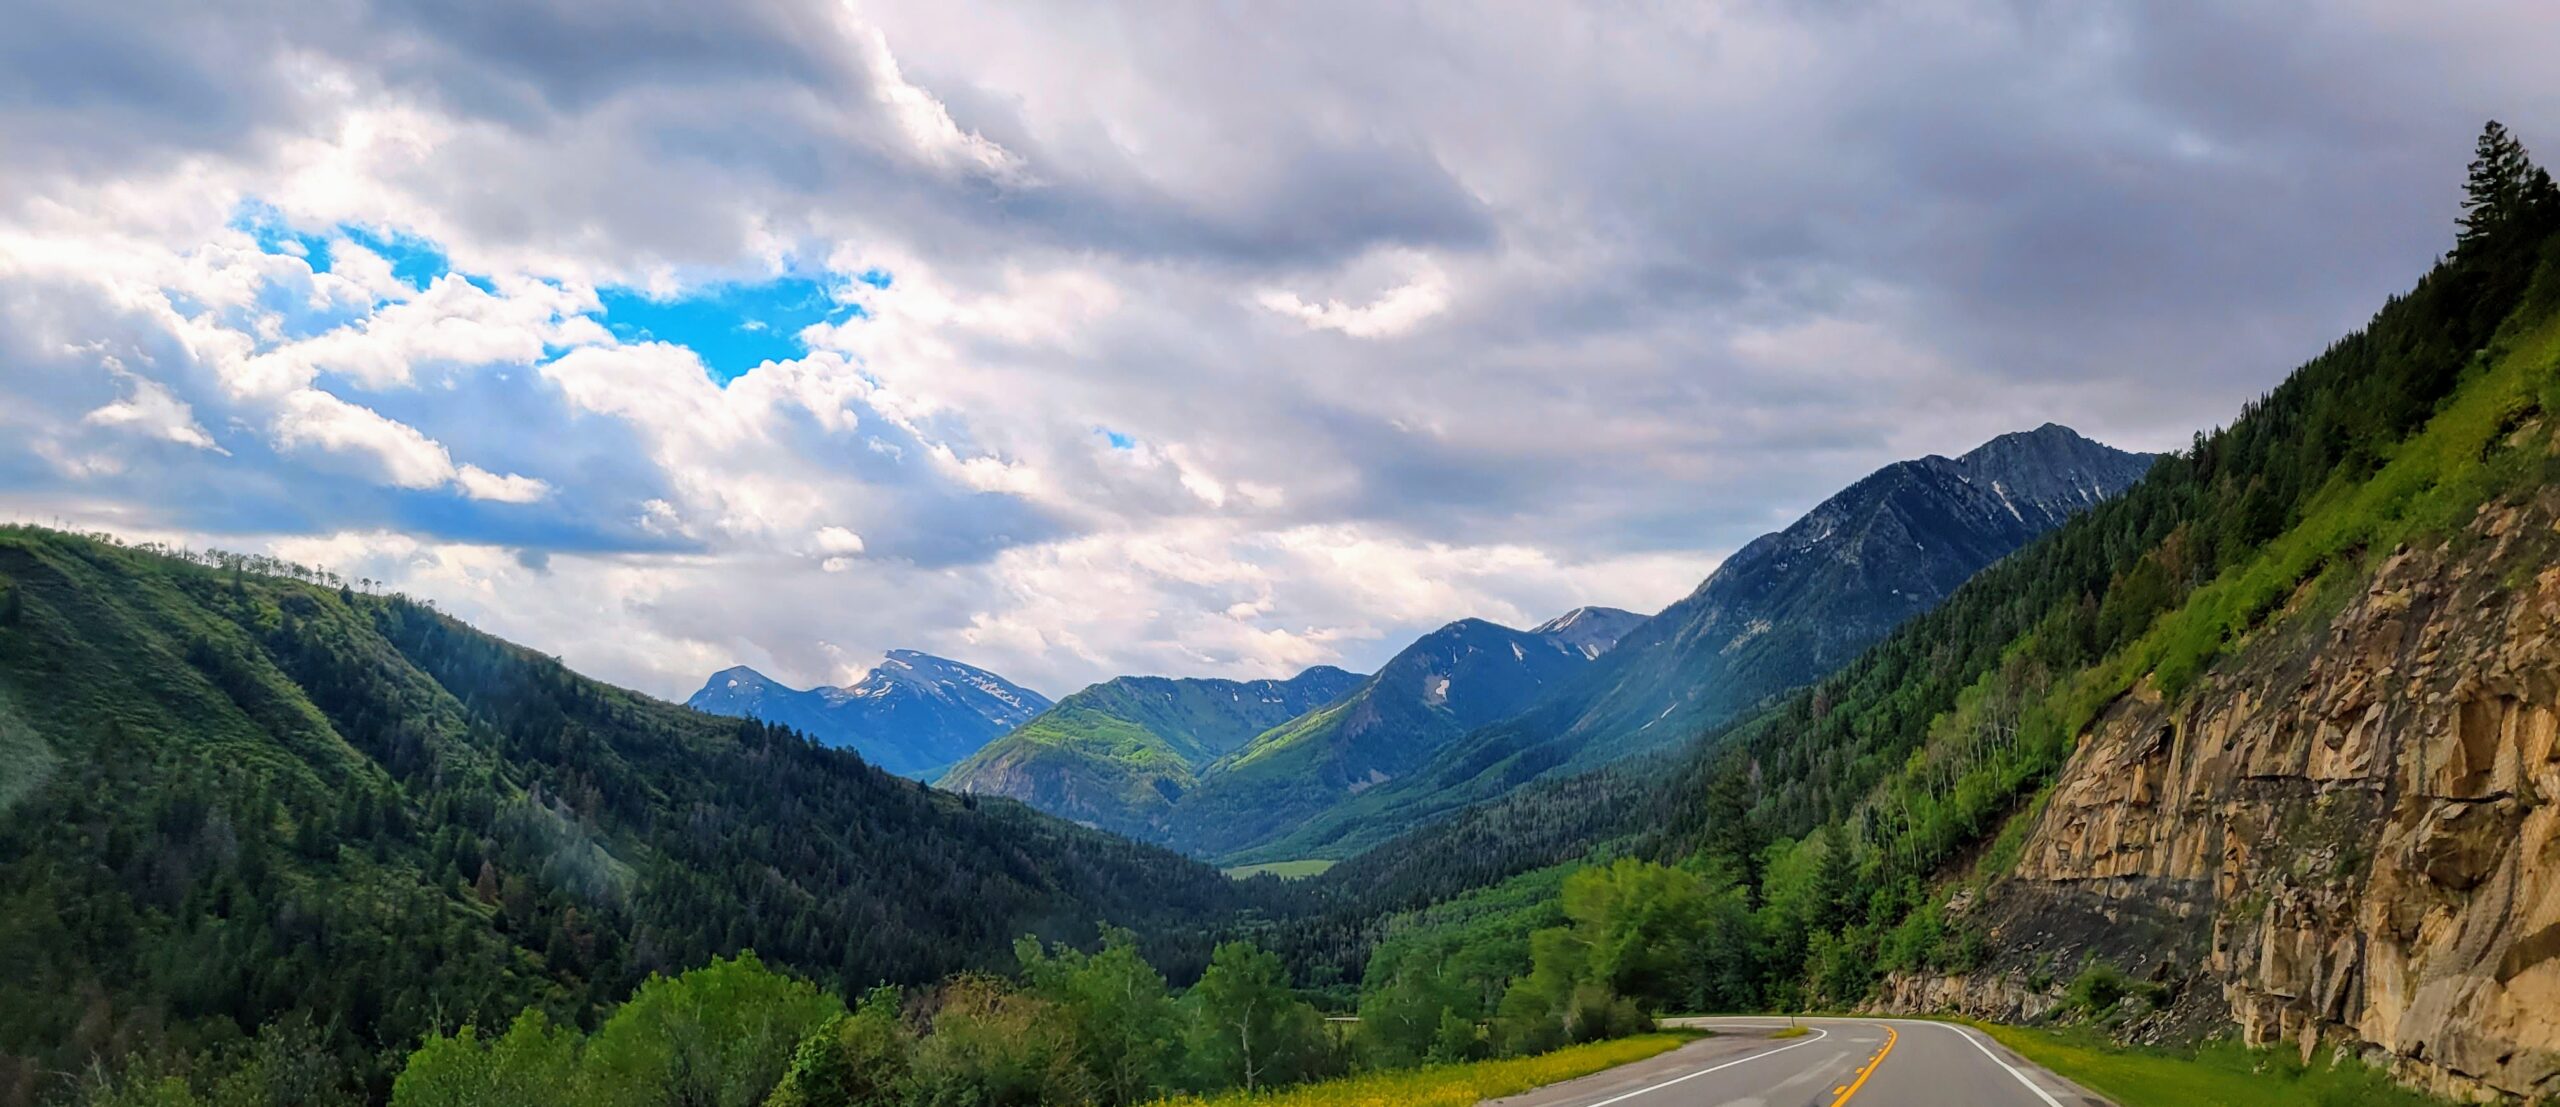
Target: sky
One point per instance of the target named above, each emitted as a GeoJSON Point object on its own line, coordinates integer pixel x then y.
{"type": "Point", "coordinates": [1074, 340]}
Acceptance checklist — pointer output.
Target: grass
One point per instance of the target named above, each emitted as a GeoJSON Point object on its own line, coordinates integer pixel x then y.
{"type": "Point", "coordinates": [1285, 870]}
{"type": "Point", "coordinates": [1452, 1085]}
{"type": "Point", "coordinates": [1791, 1032]}
{"type": "Point", "coordinates": [2220, 1074]}
{"type": "Point", "coordinates": [2428, 488]}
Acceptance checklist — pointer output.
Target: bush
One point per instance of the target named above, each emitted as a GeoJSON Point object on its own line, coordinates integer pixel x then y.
{"type": "Point", "coordinates": [1598, 1014]}
{"type": "Point", "coordinates": [993, 1047]}
{"type": "Point", "coordinates": [718, 1036]}
{"type": "Point", "coordinates": [1456, 1040]}
{"type": "Point", "coordinates": [2097, 989]}
{"type": "Point", "coordinates": [858, 1060]}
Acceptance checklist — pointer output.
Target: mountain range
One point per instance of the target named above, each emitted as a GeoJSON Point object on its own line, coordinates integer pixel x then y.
{"type": "Point", "coordinates": [1328, 762]}
{"type": "Point", "coordinates": [1782, 611]}
{"type": "Point", "coordinates": [913, 714]}
{"type": "Point", "coordinates": [1459, 677]}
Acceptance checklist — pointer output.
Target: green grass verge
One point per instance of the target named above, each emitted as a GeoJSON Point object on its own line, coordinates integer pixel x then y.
{"type": "Point", "coordinates": [1452, 1085]}
{"type": "Point", "coordinates": [1285, 870]}
{"type": "Point", "coordinates": [2218, 1074]}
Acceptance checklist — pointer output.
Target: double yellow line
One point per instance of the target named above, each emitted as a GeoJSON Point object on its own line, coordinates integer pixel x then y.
{"type": "Point", "coordinates": [1850, 1089]}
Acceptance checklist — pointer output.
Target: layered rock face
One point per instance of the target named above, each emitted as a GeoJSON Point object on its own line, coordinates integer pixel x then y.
{"type": "Point", "coordinates": [2347, 832]}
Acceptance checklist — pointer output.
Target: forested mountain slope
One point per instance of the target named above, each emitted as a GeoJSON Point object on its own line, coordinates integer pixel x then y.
{"type": "Point", "coordinates": [1784, 610]}
{"type": "Point", "coordinates": [229, 794]}
{"type": "Point", "coordinates": [2255, 744]}
{"type": "Point", "coordinates": [1117, 754]}
{"type": "Point", "coordinates": [914, 714]}
{"type": "Point", "coordinates": [2268, 730]}
{"type": "Point", "coordinates": [1457, 678]}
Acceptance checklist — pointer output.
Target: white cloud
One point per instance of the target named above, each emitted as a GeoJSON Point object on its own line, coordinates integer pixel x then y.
{"type": "Point", "coordinates": [1395, 312]}
{"type": "Point", "coordinates": [837, 540]}
{"type": "Point", "coordinates": [452, 323]}
{"type": "Point", "coordinates": [924, 122]}
{"type": "Point", "coordinates": [394, 452]}
{"type": "Point", "coordinates": [508, 488]}
{"type": "Point", "coordinates": [149, 408]}
{"type": "Point", "coordinates": [390, 451]}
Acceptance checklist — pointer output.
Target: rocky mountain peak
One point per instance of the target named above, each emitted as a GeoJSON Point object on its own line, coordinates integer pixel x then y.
{"type": "Point", "coordinates": [913, 713]}
{"type": "Point", "coordinates": [1591, 631]}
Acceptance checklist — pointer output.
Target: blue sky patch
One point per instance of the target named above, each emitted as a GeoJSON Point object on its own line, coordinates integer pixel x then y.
{"type": "Point", "coordinates": [732, 327]}
{"type": "Point", "coordinates": [267, 227]}
{"type": "Point", "coordinates": [1118, 440]}
{"type": "Point", "coordinates": [415, 261]}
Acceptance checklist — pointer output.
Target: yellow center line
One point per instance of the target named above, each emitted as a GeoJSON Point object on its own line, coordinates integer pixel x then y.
{"type": "Point", "coordinates": [1889, 1037]}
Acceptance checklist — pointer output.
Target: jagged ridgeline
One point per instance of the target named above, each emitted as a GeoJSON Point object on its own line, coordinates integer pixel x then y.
{"type": "Point", "coordinates": [233, 793]}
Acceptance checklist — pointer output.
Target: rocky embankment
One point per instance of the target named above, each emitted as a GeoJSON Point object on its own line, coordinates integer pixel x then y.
{"type": "Point", "coordinates": [2346, 833]}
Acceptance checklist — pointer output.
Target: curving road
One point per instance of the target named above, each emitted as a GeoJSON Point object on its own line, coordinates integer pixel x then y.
{"type": "Point", "coordinates": [1841, 1063]}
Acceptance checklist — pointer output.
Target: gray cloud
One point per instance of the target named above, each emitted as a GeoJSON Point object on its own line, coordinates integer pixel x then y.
{"type": "Point", "coordinates": [1668, 277]}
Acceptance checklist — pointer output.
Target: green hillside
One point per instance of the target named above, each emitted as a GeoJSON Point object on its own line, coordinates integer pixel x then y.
{"type": "Point", "coordinates": [237, 795]}
{"type": "Point", "coordinates": [1117, 754]}
{"type": "Point", "coordinates": [1451, 681]}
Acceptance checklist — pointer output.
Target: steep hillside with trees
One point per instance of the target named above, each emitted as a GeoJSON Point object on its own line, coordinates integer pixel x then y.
{"type": "Point", "coordinates": [2286, 698]}
{"type": "Point", "coordinates": [244, 806]}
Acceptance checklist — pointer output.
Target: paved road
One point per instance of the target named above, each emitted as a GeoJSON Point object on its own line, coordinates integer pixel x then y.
{"type": "Point", "coordinates": [1842, 1063]}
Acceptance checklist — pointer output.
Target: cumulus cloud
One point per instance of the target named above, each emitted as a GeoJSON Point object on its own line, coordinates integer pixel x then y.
{"type": "Point", "coordinates": [453, 323]}
{"type": "Point", "coordinates": [1182, 338]}
{"type": "Point", "coordinates": [148, 408]}
{"type": "Point", "coordinates": [505, 488]}
{"type": "Point", "coordinates": [1395, 311]}
{"type": "Point", "coordinates": [388, 450]}
{"type": "Point", "coordinates": [396, 452]}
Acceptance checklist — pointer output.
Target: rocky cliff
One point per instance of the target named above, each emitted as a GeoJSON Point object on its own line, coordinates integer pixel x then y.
{"type": "Point", "coordinates": [2343, 834]}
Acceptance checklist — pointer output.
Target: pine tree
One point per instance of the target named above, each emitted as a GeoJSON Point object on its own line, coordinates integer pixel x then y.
{"type": "Point", "coordinates": [2503, 180]}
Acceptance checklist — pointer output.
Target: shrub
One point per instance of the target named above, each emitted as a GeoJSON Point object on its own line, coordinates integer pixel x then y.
{"type": "Point", "coordinates": [861, 1059]}
{"type": "Point", "coordinates": [993, 1047]}
{"type": "Point", "coordinates": [2097, 989]}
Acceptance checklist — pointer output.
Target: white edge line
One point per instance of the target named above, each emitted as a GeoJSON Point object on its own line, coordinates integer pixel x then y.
{"type": "Point", "coordinates": [2021, 1077]}
{"type": "Point", "coordinates": [1818, 1035]}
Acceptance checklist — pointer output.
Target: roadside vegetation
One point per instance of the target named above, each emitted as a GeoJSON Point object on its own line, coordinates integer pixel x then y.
{"type": "Point", "coordinates": [2216, 1074]}
{"type": "Point", "coordinates": [1459, 1085]}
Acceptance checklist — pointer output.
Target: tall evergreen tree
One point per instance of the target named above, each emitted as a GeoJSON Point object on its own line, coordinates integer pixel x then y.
{"type": "Point", "coordinates": [2503, 186]}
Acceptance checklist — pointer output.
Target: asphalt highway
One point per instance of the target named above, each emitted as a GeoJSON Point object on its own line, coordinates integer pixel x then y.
{"type": "Point", "coordinates": [1840, 1063]}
